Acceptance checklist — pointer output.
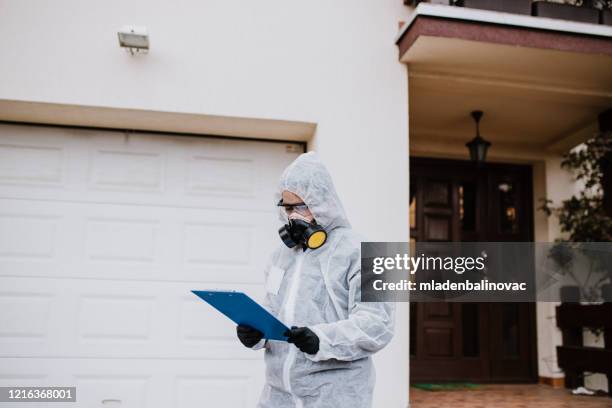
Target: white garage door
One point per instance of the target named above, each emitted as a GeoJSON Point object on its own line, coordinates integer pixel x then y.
{"type": "Point", "coordinates": [102, 238]}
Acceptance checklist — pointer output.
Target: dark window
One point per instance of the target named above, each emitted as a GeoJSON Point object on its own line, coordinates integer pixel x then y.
{"type": "Point", "coordinates": [507, 207]}
{"type": "Point", "coordinates": [467, 206]}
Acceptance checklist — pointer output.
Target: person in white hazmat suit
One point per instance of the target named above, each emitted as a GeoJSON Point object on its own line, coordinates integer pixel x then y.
{"type": "Point", "coordinates": [314, 287]}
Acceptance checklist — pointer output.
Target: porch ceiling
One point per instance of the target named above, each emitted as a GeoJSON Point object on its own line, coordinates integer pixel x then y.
{"type": "Point", "coordinates": [538, 100]}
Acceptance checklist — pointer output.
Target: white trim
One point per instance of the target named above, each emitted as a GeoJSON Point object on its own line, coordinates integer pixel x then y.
{"type": "Point", "coordinates": [287, 368]}
{"type": "Point", "coordinates": [289, 318]}
{"type": "Point", "coordinates": [289, 306]}
{"type": "Point", "coordinates": [325, 274]}
{"type": "Point", "coordinates": [509, 19]}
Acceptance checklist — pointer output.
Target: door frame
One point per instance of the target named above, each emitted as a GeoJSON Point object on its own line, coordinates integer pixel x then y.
{"type": "Point", "coordinates": [528, 216]}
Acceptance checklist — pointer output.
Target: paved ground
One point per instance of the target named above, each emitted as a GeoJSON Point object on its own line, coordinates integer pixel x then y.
{"type": "Point", "coordinates": [505, 396]}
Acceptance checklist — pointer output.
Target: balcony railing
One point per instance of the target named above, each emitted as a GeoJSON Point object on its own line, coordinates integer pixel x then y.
{"type": "Point", "coordinates": [585, 11]}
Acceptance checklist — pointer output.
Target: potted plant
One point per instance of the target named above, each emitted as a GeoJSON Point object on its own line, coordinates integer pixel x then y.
{"type": "Point", "coordinates": [583, 217]}
{"type": "Point", "coordinates": [585, 11]}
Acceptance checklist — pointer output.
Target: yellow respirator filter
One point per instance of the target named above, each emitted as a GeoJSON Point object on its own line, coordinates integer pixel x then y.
{"type": "Point", "coordinates": [316, 239]}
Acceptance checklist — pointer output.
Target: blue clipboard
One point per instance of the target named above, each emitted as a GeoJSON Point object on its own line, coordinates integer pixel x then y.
{"type": "Point", "coordinates": [241, 309]}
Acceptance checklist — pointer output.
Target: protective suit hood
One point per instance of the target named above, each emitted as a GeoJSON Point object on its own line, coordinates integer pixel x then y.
{"type": "Point", "coordinates": [307, 177]}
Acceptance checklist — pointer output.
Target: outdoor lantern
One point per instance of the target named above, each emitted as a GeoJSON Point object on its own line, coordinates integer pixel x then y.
{"type": "Point", "coordinates": [478, 146]}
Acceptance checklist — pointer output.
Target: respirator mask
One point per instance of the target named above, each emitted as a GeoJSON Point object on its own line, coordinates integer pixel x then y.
{"type": "Point", "coordinates": [299, 230]}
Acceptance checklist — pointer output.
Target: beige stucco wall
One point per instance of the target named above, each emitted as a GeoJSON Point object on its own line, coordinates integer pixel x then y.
{"type": "Point", "coordinates": [558, 186]}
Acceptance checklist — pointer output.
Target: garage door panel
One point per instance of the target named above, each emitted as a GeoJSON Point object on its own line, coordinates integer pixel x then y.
{"type": "Point", "coordinates": [39, 238]}
{"type": "Point", "coordinates": [24, 315]}
{"type": "Point", "coordinates": [137, 383]}
{"type": "Point", "coordinates": [139, 169]}
{"type": "Point", "coordinates": [108, 318]}
{"type": "Point", "coordinates": [28, 235]}
{"type": "Point", "coordinates": [98, 389]}
{"type": "Point", "coordinates": [38, 162]}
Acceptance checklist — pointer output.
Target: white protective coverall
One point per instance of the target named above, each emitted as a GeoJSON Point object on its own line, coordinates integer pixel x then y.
{"type": "Point", "coordinates": [320, 289]}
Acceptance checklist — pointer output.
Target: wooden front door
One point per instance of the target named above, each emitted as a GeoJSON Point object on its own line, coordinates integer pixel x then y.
{"type": "Point", "coordinates": [487, 342]}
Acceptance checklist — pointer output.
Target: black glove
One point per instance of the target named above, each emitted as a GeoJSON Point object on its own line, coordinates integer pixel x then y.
{"type": "Point", "coordinates": [248, 335]}
{"type": "Point", "coordinates": [304, 338]}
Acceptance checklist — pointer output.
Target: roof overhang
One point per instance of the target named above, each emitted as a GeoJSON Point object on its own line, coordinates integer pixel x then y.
{"type": "Point", "coordinates": [541, 82]}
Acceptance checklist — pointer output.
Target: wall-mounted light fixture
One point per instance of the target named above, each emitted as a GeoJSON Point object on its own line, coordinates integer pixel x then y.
{"type": "Point", "coordinates": [134, 39]}
{"type": "Point", "coordinates": [478, 146]}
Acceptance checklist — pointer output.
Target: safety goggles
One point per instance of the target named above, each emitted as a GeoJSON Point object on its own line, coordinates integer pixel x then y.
{"type": "Point", "coordinates": [300, 208]}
